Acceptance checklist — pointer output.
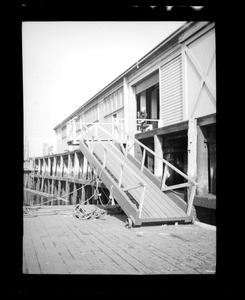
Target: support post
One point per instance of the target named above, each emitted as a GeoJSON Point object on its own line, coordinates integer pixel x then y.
{"type": "Point", "coordinates": [192, 191]}
{"type": "Point", "coordinates": [129, 111]}
{"type": "Point", "coordinates": [49, 166]}
{"type": "Point", "coordinates": [192, 149]}
{"type": "Point", "coordinates": [74, 196]}
{"type": "Point", "coordinates": [164, 177]}
{"type": "Point", "coordinates": [158, 164]}
{"type": "Point", "coordinates": [83, 195]}
{"type": "Point", "coordinates": [76, 165]}
{"type": "Point", "coordinates": [85, 167]}
{"type": "Point", "coordinates": [39, 166]}
{"type": "Point", "coordinates": [52, 190]}
{"type": "Point", "coordinates": [58, 192]}
{"type": "Point", "coordinates": [61, 165]}
{"type": "Point", "coordinates": [69, 167]}
{"type": "Point", "coordinates": [202, 162]}
{"type": "Point", "coordinates": [54, 166]}
{"type": "Point", "coordinates": [192, 159]}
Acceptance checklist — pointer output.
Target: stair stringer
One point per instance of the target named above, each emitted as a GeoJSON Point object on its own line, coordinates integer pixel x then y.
{"type": "Point", "coordinates": [127, 206]}
{"type": "Point", "coordinates": [175, 198]}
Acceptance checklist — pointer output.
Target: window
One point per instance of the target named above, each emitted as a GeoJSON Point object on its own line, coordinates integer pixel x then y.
{"type": "Point", "coordinates": [91, 115]}
{"type": "Point", "coordinates": [64, 132]}
{"type": "Point", "coordinates": [78, 120]}
{"type": "Point", "coordinates": [114, 101]}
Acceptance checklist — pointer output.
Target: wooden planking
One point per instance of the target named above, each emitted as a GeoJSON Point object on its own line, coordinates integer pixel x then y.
{"type": "Point", "coordinates": [128, 207]}
{"type": "Point", "coordinates": [160, 207]}
{"type": "Point", "coordinates": [157, 191]}
{"type": "Point", "coordinates": [128, 181]}
{"type": "Point", "coordinates": [148, 204]}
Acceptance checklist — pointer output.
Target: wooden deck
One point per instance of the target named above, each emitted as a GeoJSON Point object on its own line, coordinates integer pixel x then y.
{"type": "Point", "coordinates": [63, 244]}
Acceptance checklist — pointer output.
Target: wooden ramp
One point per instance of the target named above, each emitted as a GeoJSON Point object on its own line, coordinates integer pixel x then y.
{"type": "Point", "coordinates": [137, 192]}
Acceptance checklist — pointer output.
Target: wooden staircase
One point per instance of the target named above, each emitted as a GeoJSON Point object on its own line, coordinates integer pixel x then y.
{"type": "Point", "coordinates": [142, 196]}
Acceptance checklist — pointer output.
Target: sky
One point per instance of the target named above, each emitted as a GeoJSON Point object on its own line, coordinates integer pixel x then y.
{"type": "Point", "coordinates": [67, 63]}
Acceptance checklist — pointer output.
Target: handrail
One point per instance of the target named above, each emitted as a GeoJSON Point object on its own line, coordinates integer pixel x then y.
{"type": "Point", "coordinates": [141, 184]}
{"type": "Point", "coordinates": [124, 164]}
{"type": "Point", "coordinates": [147, 149]}
{"type": "Point", "coordinates": [159, 157]}
{"type": "Point", "coordinates": [193, 182]}
{"type": "Point", "coordinates": [150, 120]}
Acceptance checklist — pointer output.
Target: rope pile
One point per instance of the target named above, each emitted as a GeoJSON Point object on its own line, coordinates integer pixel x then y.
{"type": "Point", "coordinates": [84, 214]}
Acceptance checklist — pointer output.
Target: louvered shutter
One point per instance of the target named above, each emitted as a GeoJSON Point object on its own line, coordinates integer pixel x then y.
{"type": "Point", "coordinates": [171, 95]}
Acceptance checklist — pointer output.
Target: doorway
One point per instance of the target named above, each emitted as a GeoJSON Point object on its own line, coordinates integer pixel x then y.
{"type": "Point", "coordinates": [149, 99]}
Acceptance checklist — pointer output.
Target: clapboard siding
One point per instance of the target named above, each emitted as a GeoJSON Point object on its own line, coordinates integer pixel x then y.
{"type": "Point", "coordinates": [171, 94]}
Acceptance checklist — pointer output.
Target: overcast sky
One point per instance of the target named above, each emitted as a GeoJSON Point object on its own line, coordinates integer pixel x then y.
{"type": "Point", "coordinates": [67, 63]}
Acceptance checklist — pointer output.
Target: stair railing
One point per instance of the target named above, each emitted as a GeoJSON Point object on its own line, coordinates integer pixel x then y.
{"type": "Point", "coordinates": [91, 135]}
{"type": "Point", "coordinates": [190, 184]}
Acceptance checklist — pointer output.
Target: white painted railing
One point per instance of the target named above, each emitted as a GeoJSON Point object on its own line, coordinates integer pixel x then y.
{"type": "Point", "coordinates": [149, 124]}
{"type": "Point", "coordinates": [91, 131]}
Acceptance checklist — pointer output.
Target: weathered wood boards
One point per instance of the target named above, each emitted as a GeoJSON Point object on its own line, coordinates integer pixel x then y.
{"type": "Point", "coordinates": [67, 176]}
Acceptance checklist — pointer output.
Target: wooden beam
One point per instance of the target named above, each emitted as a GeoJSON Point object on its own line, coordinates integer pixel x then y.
{"type": "Point", "coordinates": [54, 166]}
{"type": "Point", "coordinates": [192, 190]}
{"type": "Point", "coordinates": [61, 165]}
{"type": "Point", "coordinates": [207, 120]}
{"type": "Point", "coordinates": [49, 166]}
{"type": "Point", "coordinates": [176, 186]}
{"type": "Point", "coordinates": [58, 191]}
{"type": "Point", "coordinates": [158, 164]}
{"type": "Point", "coordinates": [181, 126]}
{"type": "Point", "coordinates": [85, 167]}
{"type": "Point", "coordinates": [74, 196]}
{"type": "Point", "coordinates": [69, 166]}
{"type": "Point", "coordinates": [192, 149]}
{"type": "Point", "coordinates": [143, 160]}
{"type": "Point", "coordinates": [202, 162]}
{"type": "Point", "coordinates": [164, 177]}
{"type": "Point", "coordinates": [76, 165]}
{"type": "Point", "coordinates": [43, 194]}
{"type": "Point", "coordinates": [163, 130]}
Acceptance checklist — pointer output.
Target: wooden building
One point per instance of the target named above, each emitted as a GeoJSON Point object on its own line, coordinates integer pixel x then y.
{"type": "Point", "coordinates": [176, 83]}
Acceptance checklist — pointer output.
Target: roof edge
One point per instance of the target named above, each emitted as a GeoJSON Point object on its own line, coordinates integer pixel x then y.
{"type": "Point", "coordinates": [147, 55]}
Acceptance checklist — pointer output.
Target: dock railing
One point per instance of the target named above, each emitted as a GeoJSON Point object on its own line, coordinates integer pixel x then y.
{"type": "Point", "coordinates": [93, 133]}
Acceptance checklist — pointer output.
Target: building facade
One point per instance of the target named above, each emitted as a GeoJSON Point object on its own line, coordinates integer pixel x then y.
{"type": "Point", "coordinates": [176, 83]}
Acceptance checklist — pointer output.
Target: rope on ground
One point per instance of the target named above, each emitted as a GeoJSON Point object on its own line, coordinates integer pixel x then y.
{"type": "Point", "coordinates": [29, 213]}
{"type": "Point", "coordinates": [83, 214]}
